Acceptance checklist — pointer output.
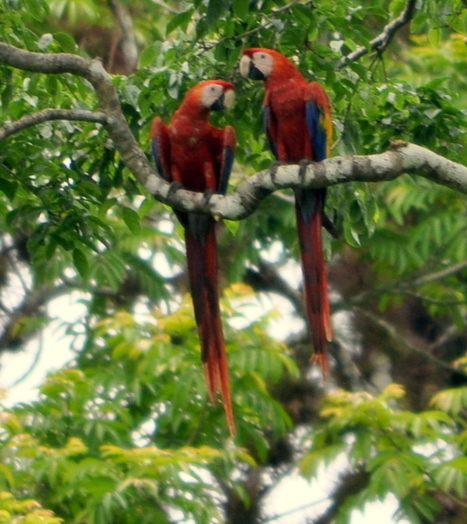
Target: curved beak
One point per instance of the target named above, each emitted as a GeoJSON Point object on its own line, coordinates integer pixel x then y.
{"type": "Point", "coordinates": [248, 69]}
{"type": "Point", "coordinates": [225, 101]}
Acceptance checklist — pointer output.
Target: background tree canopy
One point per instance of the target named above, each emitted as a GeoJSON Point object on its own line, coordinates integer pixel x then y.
{"type": "Point", "coordinates": [125, 433]}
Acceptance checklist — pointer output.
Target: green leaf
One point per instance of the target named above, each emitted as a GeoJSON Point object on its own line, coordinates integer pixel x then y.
{"type": "Point", "coordinates": [452, 476]}
{"type": "Point", "coordinates": [434, 34]}
{"type": "Point", "coordinates": [148, 56]}
{"type": "Point", "coordinates": [351, 236]}
{"type": "Point", "coordinates": [7, 473]}
{"type": "Point", "coordinates": [9, 187]}
{"type": "Point", "coordinates": [180, 20]}
{"type": "Point", "coordinates": [215, 10]}
{"type": "Point", "coordinates": [66, 41]}
{"type": "Point", "coordinates": [81, 262]}
{"type": "Point", "coordinates": [453, 401]}
{"type": "Point", "coordinates": [7, 89]}
{"type": "Point", "coordinates": [109, 268]}
{"type": "Point", "coordinates": [132, 220]}
{"type": "Point", "coordinates": [310, 463]}
{"type": "Point", "coordinates": [241, 8]}
{"type": "Point", "coordinates": [37, 10]}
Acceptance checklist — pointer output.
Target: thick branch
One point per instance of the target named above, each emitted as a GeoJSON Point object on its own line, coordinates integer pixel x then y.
{"type": "Point", "coordinates": [380, 43]}
{"type": "Point", "coordinates": [401, 158]}
{"type": "Point", "coordinates": [51, 114]}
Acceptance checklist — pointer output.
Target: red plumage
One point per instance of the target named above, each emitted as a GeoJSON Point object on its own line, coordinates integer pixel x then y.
{"type": "Point", "coordinates": [297, 119]}
{"type": "Point", "coordinates": [199, 156]}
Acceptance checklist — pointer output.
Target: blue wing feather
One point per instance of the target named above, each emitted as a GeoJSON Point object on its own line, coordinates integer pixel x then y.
{"type": "Point", "coordinates": [314, 117]}
{"type": "Point", "coordinates": [229, 139]}
{"type": "Point", "coordinates": [228, 160]}
{"type": "Point", "coordinates": [267, 129]}
{"type": "Point", "coordinates": [160, 145]}
{"type": "Point", "coordinates": [156, 151]}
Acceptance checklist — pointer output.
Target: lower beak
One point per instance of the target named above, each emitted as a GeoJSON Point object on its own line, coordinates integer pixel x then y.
{"type": "Point", "coordinates": [249, 70]}
{"type": "Point", "coordinates": [219, 104]}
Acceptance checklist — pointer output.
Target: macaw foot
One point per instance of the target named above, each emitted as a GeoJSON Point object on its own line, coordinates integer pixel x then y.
{"type": "Point", "coordinates": [207, 195]}
{"type": "Point", "coordinates": [302, 167]}
{"type": "Point", "coordinates": [174, 187]}
{"type": "Point", "coordinates": [275, 166]}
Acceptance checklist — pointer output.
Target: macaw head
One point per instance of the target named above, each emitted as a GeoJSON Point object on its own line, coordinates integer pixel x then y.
{"type": "Point", "coordinates": [259, 63]}
{"type": "Point", "coordinates": [211, 95]}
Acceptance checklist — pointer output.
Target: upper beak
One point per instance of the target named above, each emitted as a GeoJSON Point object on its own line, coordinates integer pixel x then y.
{"type": "Point", "coordinates": [225, 101]}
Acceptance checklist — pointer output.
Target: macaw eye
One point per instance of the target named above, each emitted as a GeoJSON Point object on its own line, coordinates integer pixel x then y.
{"type": "Point", "coordinates": [262, 55]}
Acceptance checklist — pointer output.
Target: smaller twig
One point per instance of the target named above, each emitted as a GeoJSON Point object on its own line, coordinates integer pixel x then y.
{"type": "Point", "coordinates": [381, 42]}
{"type": "Point", "coordinates": [457, 500]}
{"type": "Point", "coordinates": [256, 29]}
{"type": "Point", "coordinates": [393, 333]}
{"type": "Point", "coordinates": [438, 275]}
{"type": "Point", "coordinates": [51, 114]}
{"type": "Point", "coordinates": [429, 300]}
{"type": "Point", "coordinates": [404, 286]}
{"type": "Point", "coordinates": [447, 335]}
{"type": "Point", "coordinates": [294, 510]}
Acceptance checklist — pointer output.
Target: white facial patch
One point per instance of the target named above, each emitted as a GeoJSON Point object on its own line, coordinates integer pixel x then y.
{"type": "Point", "coordinates": [229, 99]}
{"type": "Point", "coordinates": [244, 65]}
{"type": "Point", "coordinates": [263, 62]}
{"type": "Point", "coordinates": [210, 94]}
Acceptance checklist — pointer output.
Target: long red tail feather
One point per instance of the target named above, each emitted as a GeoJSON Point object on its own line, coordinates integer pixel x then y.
{"type": "Point", "coordinates": [201, 250]}
{"type": "Point", "coordinates": [309, 225]}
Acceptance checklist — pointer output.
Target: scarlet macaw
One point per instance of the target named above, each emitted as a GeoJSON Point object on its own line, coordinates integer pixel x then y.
{"type": "Point", "coordinates": [198, 156]}
{"type": "Point", "coordinates": [298, 125]}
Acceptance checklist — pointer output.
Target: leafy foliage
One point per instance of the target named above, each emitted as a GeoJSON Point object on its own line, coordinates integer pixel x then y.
{"type": "Point", "coordinates": [126, 428]}
{"type": "Point", "coordinates": [400, 451]}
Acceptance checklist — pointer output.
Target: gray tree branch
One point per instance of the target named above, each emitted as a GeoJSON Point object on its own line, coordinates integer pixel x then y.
{"type": "Point", "coordinates": [51, 114]}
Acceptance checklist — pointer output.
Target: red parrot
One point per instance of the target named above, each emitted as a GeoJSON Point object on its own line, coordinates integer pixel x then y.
{"type": "Point", "coordinates": [298, 125]}
{"type": "Point", "coordinates": [192, 153]}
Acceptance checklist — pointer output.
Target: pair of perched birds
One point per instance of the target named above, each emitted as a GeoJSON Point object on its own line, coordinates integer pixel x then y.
{"type": "Point", "coordinates": [199, 157]}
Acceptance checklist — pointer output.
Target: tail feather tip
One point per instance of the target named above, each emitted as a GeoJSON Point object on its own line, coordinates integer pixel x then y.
{"type": "Point", "coordinates": [322, 360]}
{"type": "Point", "coordinates": [214, 383]}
